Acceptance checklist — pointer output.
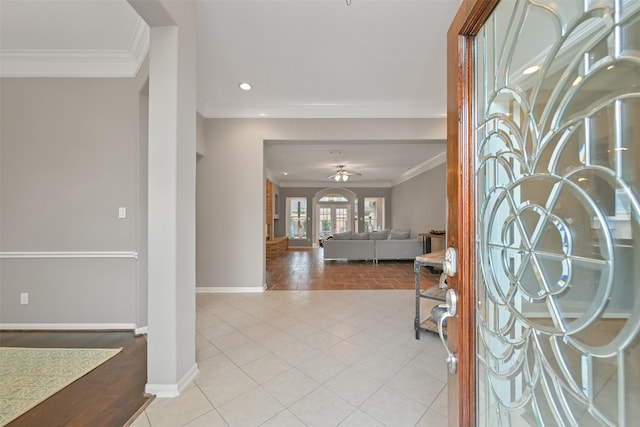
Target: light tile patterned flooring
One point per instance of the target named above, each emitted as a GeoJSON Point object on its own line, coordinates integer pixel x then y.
{"type": "Point", "coordinates": [309, 358]}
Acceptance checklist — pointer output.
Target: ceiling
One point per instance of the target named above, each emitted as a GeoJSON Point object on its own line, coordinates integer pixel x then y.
{"type": "Point", "coordinates": [382, 163]}
{"type": "Point", "coordinates": [304, 59]}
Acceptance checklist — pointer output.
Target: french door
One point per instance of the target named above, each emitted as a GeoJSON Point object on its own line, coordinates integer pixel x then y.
{"type": "Point", "coordinates": [334, 218]}
{"type": "Point", "coordinates": [543, 179]}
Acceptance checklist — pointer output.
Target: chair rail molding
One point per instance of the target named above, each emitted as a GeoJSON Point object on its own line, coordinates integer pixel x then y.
{"type": "Point", "coordinates": [69, 254]}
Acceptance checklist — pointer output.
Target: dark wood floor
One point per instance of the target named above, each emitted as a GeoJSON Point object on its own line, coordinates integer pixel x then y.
{"type": "Point", "coordinates": [306, 269]}
{"type": "Point", "coordinates": [108, 396]}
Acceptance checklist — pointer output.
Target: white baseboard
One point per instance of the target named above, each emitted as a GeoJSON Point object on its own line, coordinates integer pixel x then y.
{"type": "Point", "coordinates": [69, 326]}
{"type": "Point", "coordinates": [143, 330]}
{"type": "Point", "coordinates": [230, 289]}
{"type": "Point", "coordinates": [172, 390]}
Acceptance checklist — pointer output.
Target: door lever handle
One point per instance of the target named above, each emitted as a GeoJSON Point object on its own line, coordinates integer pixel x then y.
{"type": "Point", "coordinates": [452, 309]}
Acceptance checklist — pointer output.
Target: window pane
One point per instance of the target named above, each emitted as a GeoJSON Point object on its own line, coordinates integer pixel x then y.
{"type": "Point", "coordinates": [342, 215]}
{"type": "Point", "coordinates": [325, 222]}
{"type": "Point", "coordinates": [297, 217]}
{"type": "Point", "coordinates": [334, 198]}
{"type": "Point", "coordinates": [373, 214]}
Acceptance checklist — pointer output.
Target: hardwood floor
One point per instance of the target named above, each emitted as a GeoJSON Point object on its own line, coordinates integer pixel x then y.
{"type": "Point", "coordinates": [108, 396]}
{"type": "Point", "coordinates": [305, 269]}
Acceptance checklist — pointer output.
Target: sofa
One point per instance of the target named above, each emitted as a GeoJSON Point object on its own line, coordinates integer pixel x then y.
{"type": "Point", "coordinates": [375, 246]}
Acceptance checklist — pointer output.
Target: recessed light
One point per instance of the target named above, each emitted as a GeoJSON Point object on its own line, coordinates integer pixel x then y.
{"type": "Point", "coordinates": [285, 173]}
{"type": "Point", "coordinates": [262, 114]}
{"type": "Point", "coordinates": [245, 86]}
{"type": "Point", "coordinates": [610, 67]}
{"type": "Point", "coordinates": [531, 70]}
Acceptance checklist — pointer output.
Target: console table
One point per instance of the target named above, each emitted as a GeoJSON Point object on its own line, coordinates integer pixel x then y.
{"type": "Point", "coordinates": [431, 260]}
{"type": "Point", "coordinates": [426, 240]}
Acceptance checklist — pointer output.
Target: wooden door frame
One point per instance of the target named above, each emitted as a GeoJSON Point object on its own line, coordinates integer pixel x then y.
{"type": "Point", "coordinates": [471, 16]}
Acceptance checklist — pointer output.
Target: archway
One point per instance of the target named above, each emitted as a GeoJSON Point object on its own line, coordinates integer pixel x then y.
{"type": "Point", "coordinates": [335, 211]}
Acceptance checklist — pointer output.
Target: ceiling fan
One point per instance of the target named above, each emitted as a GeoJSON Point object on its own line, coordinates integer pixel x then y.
{"type": "Point", "coordinates": [342, 174]}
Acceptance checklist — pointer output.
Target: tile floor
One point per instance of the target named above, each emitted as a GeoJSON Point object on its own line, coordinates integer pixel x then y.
{"type": "Point", "coordinates": [305, 269]}
{"type": "Point", "coordinates": [309, 358]}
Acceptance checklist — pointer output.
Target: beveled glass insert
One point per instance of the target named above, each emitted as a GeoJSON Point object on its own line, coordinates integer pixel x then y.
{"type": "Point", "coordinates": [557, 151]}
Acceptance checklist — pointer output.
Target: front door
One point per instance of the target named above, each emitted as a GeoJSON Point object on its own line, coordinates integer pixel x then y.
{"type": "Point", "coordinates": [544, 179]}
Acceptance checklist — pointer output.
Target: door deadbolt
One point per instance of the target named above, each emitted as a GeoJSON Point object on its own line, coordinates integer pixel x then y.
{"type": "Point", "coordinates": [450, 265]}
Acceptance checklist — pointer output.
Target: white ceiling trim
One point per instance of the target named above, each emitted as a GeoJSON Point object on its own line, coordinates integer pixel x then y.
{"type": "Point", "coordinates": [321, 109]}
{"type": "Point", "coordinates": [271, 176]}
{"type": "Point", "coordinates": [429, 164]}
{"type": "Point", "coordinates": [353, 183]}
{"type": "Point", "coordinates": [79, 63]}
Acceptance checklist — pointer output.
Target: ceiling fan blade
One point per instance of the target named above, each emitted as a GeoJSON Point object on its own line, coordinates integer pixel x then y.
{"type": "Point", "coordinates": [352, 173]}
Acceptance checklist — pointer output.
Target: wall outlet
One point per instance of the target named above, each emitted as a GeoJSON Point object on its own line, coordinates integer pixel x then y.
{"type": "Point", "coordinates": [122, 213]}
{"type": "Point", "coordinates": [24, 298]}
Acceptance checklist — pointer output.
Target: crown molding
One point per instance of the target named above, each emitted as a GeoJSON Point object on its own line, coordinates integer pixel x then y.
{"type": "Point", "coordinates": [321, 109]}
{"type": "Point", "coordinates": [79, 63]}
{"type": "Point", "coordinates": [423, 167]}
{"type": "Point", "coordinates": [272, 176]}
{"type": "Point", "coordinates": [333, 184]}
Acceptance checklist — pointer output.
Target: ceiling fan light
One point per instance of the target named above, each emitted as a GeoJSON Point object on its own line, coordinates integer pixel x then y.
{"type": "Point", "coordinates": [337, 178]}
{"type": "Point", "coordinates": [345, 177]}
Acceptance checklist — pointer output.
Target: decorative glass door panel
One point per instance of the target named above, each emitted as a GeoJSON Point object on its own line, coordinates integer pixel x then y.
{"type": "Point", "coordinates": [557, 174]}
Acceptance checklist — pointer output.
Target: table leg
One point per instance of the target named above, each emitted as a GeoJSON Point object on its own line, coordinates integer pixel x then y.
{"type": "Point", "coordinates": [416, 269]}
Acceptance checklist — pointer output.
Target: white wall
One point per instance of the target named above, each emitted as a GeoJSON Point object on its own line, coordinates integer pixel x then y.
{"type": "Point", "coordinates": [172, 158]}
{"type": "Point", "coordinates": [231, 179]}
{"type": "Point", "coordinates": [419, 204]}
{"type": "Point", "coordinates": [70, 157]}
{"type": "Point", "coordinates": [200, 138]}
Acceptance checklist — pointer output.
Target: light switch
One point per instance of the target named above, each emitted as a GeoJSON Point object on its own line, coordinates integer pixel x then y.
{"type": "Point", "coordinates": [122, 213]}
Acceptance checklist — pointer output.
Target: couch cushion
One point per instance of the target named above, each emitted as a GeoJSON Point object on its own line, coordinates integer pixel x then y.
{"type": "Point", "coordinates": [379, 235]}
{"type": "Point", "coordinates": [348, 235]}
{"type": "Point", "coordinates": [398, 249]}
{"type": "Point", "coordinates": [399, 234]}
{"type": "Point", "coordinates": [350, 249]}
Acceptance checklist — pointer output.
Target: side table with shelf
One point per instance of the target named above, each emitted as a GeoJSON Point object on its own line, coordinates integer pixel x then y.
{"type": "Point", "coordinates": [426, 240]}
{"type": "Point", "coordinates": [432, 260]}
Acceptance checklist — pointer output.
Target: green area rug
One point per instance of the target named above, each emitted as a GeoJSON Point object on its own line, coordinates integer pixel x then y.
{"type": "Point", "coordinates": [30, 375]}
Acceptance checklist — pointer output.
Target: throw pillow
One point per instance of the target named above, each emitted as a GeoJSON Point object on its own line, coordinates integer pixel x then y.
{"type": "Point", "coordinates": [343, 236]}
{"type": "Point", "coordinates": [360, 236]}
{"type": "Point", "coordinates": [399, 234]}
{"type": "Point", "coordinates": [379, 235]}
